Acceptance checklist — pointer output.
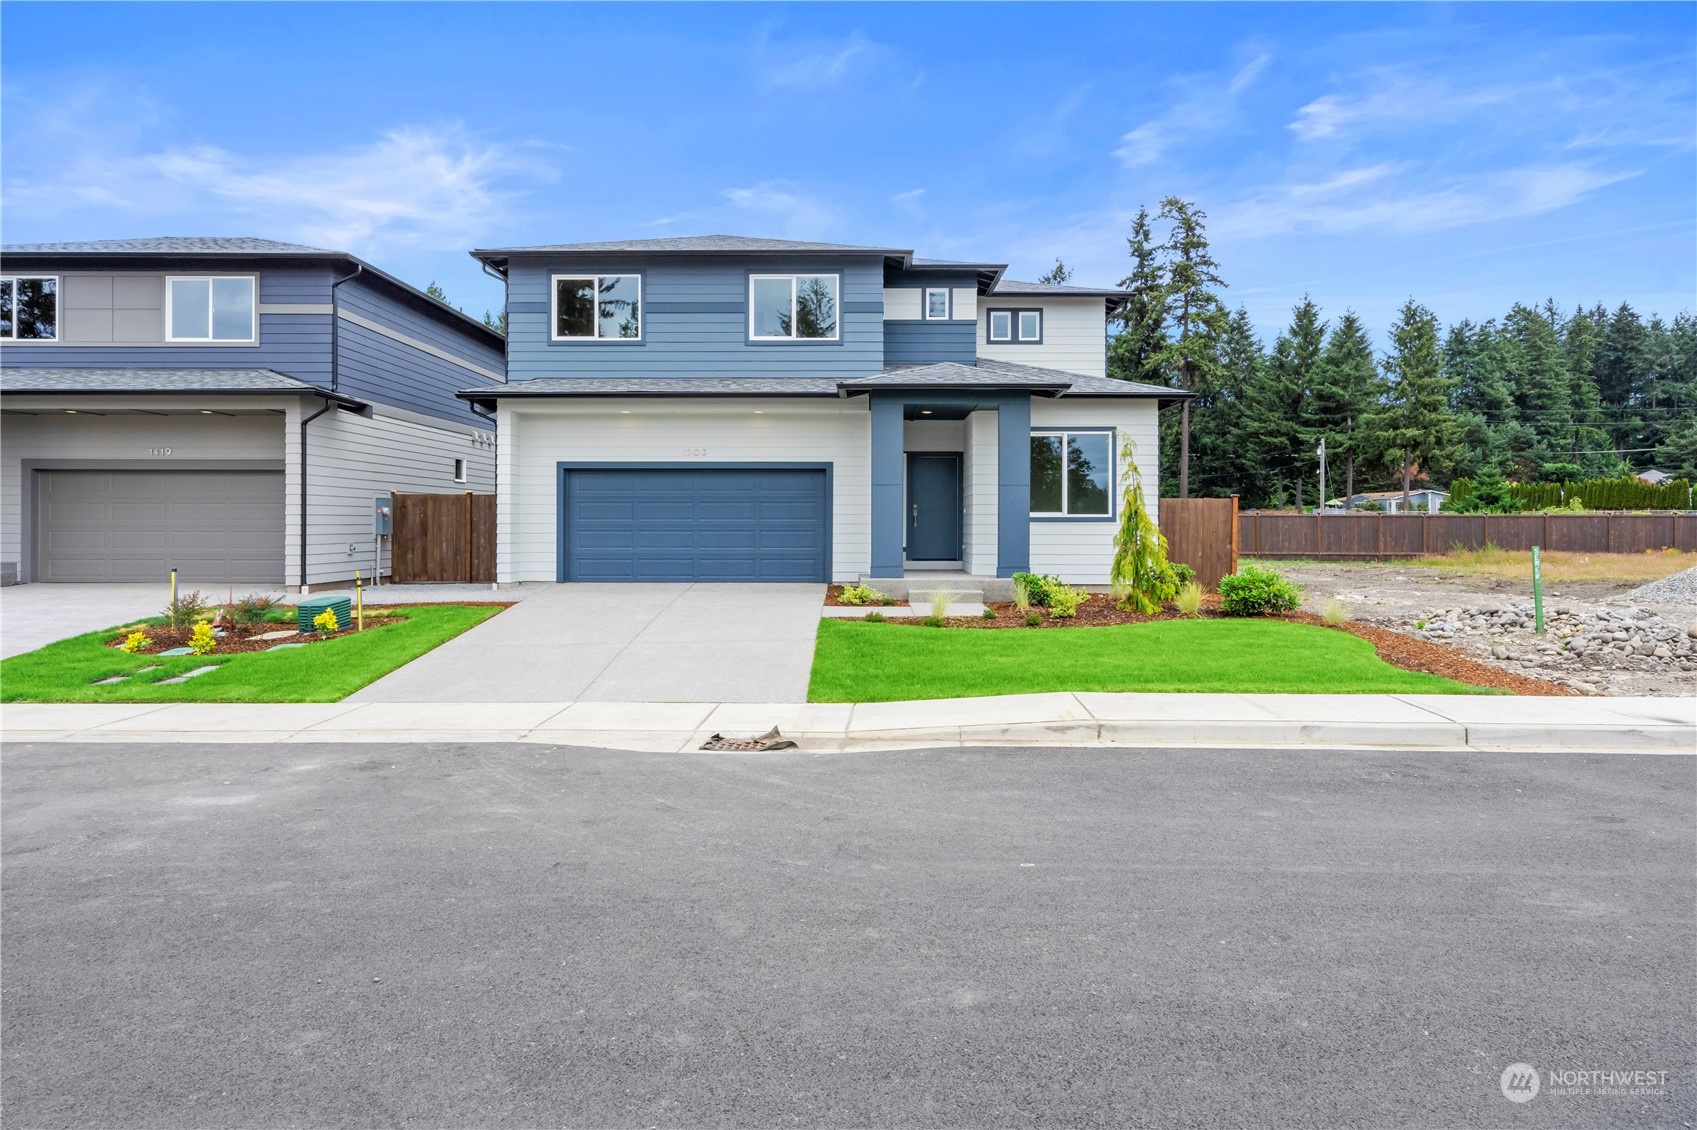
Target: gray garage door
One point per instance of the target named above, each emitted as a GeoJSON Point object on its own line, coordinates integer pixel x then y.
{"type": "Point", "coordinates": [695, 524]}
{"type": "Point", "coordinates": [137, 525]}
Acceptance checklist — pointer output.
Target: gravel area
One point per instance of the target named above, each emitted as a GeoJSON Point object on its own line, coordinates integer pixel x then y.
{"type": "Point", "coordinates": [1599, 638]}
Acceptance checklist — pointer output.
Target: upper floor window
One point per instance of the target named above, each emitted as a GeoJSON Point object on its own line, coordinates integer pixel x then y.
{"type": "Point", "coordinates": [597, 307]}
{"type": "Point", "coordinates": [29, 308]}
{"type": "Point", "coordinates": [215, 308]}
{"type": "Point", "coordinates": [1022, 327]}
{"type": "Point", "coordinates": [1071, 473]}
{"type": "Point", "coordinates": [792, 307]}
{"type": "Point", "coordinates": [936, 305]}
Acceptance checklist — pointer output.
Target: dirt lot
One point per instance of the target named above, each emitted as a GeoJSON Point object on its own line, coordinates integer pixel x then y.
{"type": "Point", "coordinates": [1600, 638]}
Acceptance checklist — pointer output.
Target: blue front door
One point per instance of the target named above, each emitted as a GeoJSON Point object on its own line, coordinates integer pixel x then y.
{"type": "Point", "coordinates": [696, 523]}
{"type": "Point", "coordinates": [933, 506]}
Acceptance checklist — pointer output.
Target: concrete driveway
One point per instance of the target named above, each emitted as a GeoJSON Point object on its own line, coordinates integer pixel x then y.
{"type": "Point", "coordinates": [625, 643]}
{"type": "Point", "coordinates": [33, 616]}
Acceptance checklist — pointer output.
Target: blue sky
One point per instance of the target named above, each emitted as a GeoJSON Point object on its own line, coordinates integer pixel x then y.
{"type": "Point", "coordinates": [1467, 155]}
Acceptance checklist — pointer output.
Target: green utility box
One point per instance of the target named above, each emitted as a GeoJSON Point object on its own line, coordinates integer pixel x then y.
{"type": "Point", "coordinates": [314, 606]}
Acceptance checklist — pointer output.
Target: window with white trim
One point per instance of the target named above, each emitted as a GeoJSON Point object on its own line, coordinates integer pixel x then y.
{"type": "Point", "coordinates": [936, 305]}
{"type": "Point", "coordinates": [1072, 474]}
{"type": "Point", "coordinates": [792, 307]}
{"type": "Point", "coordinates": [459, 470]}
{"type": "Point", "coordinates": [1001, 325]}
{"type": "Point", "coordinates": [1015, 327]}
{"type": "Point", "coordinates": [29, 308]}
{"type": "Point", "coordinates": [209, 308]}
{"type": "Point", "coordinates": [1031, 325]}
{"type": "Point", "coordinates": [597, 307]}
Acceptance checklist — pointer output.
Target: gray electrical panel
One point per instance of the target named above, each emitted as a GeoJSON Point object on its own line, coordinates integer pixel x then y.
{"type": "Point", "coordinates": [383, 520]}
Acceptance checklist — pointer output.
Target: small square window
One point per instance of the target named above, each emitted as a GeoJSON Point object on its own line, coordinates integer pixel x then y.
{"type": "Point", "coordinates": [937, 305]}
{"type": "Point", "coordinates": [459, 471]}
{"type": "Point", "coordinates": [1001, 325]}
{"type": "Point", "coordinates": [1031, 325]}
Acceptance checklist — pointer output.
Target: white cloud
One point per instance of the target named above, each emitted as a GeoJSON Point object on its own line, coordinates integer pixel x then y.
{"type": "Point", "coordinates": [781, 203]}
{"type": "Point", "coordinates": [814, 65]}
{"type": "Point", "coordinates": [1208, 106]}
{"type": "Point", "coordinates": [434, 188]}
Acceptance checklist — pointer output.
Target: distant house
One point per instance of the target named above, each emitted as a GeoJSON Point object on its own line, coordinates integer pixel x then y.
{"type": "Point", "coordinates": [1429, 499]}
{"type": "Point", "coordinates": [1654, 478]}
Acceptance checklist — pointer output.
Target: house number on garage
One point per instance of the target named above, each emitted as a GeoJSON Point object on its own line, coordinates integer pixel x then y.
{"type": "Point", "coordinates": [695, 451]}
{"type": "Point", "coordinates": [159, 451]}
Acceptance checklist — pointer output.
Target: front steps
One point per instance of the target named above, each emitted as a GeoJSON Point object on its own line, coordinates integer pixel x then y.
{"type": "Point", "coordinates": [969, 588]}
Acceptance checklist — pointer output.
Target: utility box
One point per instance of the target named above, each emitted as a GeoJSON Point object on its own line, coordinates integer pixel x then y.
{"type": "Point", "coordinates": [313, 607]}
{"type": "Point", "coordinates": [383, 518]}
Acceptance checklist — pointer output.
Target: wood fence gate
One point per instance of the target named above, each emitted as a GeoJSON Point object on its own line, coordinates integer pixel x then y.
{"type": "Point", "coordinates": [1202, 533]}
{"type": "Point", "coordinates": [443, 537]}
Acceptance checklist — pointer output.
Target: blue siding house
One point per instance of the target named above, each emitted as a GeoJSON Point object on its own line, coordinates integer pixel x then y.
{"type": "Point", "coordinates": [729, 408]}
{"type": "Point", "coordinates": [228, 407]}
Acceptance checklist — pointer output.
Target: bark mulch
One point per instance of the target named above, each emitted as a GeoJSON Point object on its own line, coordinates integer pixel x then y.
{"type": "Point", "coordinates": [1394, 648]}
{"type": "Point", "coordinates": [240, 637]}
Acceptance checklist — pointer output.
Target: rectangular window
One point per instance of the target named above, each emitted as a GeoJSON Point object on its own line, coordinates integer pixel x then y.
{"type": "Point", "coordinates": [597, 307]}
{"type": "Point", "coordinates": [1072, 474]}
{"type": "Point", "coordinates": [937, 305]}
{"type": "Point", "coordinates": [218, 308]}
{"type": "Point", "coordinates": [1031, 325]}
{"type": "Point", "coordinates": [792, 307]}
{"type": "Point", "coordinates": [1001, 325]}
{"type": "Point", "coordinates": [29, 308]}
{"type": "Point", "coordinates": [459, 470]}
{"type": "Point", "coordinates": [1015, 327]}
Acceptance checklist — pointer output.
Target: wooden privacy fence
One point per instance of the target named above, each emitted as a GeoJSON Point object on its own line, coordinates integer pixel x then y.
{"type": "Point", "coordinates": [1368, 535]}
{"type": "Point", "coordinates": [1202, 533]}
{"type": "Point", "coordinates": [443, 537]}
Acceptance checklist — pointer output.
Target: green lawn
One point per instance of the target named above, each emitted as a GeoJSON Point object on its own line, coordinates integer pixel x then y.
{"type": "Point", "coordinates": [320, 672]}
{"type": "Point", "coordinates": [860, 662]}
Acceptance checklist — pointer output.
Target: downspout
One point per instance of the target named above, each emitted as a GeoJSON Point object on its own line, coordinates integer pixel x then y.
{"type": "Point", "coordinates": [335, 386]}
{"type": "Point", "coordinates": [305, 420]}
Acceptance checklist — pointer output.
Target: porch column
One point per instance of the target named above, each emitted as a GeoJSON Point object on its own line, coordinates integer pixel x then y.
{"type": "Point", "coordinates": [887, 472]}
{"type": "Point", "coordinates": [1013, 485]}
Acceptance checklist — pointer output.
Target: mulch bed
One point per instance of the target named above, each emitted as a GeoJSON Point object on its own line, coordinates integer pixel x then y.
{"type": "Point", "coordinates": [240, 637]}
{"type": "Point", "coordinates": [834, 591]}
{"type": "Point", "coordinates": [1394, 648]}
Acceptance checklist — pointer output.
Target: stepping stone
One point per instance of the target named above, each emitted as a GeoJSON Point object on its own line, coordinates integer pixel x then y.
{"type": "Point", "coordinates": [198, 671]}
{"type": "Point", "coordinates": [113, 679]}
{"type": "Point", "coordinates": [154, 667]}
{"type": "Point", "coordinates": [282, 646]}
{"type": "Point", "coordinates": [276, 635]}
{"type": "Point", "coordinates": [178, 651]}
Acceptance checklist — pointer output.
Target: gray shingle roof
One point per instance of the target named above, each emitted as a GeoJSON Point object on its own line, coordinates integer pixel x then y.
{"type": "Point", "coordinates": [695, 243]}
{"type": "Point", "coordinates": [169, 245]}
{"type": "Point", "coordinates": [942, 375]}
{"type": "Point", "coordinates": [33, 380]}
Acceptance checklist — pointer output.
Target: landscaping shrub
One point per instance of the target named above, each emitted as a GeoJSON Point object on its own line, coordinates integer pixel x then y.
{"type": "Point", "coordinates": [860, 594]}
{"type": "Point", "coordinates": [135, 641]}
{"type": "Point", "coordinates": [186, 608]}
{"type": "Point", "coordinates": [201, 640]}
{"type": "Point", "coordinates": [1183, 572]}
{"type": "Point", "coordinates": [939, 606]}
{"type": "Point", "coordinates": [933, 621]}
{"type": "Point", "coordinates": [987, 614]}
{"type": "Point", "coordinates": [1065, 600]}
{"type": "Point", "coordinates": [326, 621]}
{"type": "Point", "coordinates": [1021, 595]}
{"type": "Point", "coordinates": [1141, 575]}
{"type": "Point", "coordinates": [1189, 600]}
{"type": "Point", "coordinates": [1625, 493]}
{"type": "Point", "coordinates": [1258, 592]}
{"type": "Point", "coordinates": [1334, 612]}
{"type": "Point", "coordinates": [1032, 620]}
{"type": "Point", "coordinates": [251, 609]}
{"type": "Point", "coordinates": [874, 617]}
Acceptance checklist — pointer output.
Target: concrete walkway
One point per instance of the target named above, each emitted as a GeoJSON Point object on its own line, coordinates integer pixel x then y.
{"type": "Point", "coordinates": [624, 643]}
{"type": "Point", "coordinates": [1411, 722]}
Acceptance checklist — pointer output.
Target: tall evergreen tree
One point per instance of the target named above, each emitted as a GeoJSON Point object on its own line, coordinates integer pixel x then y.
{"type": "Point", "coordinates": [1480, 395]}
{"type": "Point", "coordinates": [1542, 392]}
{"type": "Point", "coordinates": [1277, 408]}
{"type": "Point", "coordinates": [1059, 273]}
{"type": "Point", "coordinates": [1413, 424]}
{"type": "Point", "coordinates": [1191, 353]}
{"type": "Point", "coordinates": [1621, 362]}
{"type": "Point", "coordinates": [1341, 395]}
{"type": "Point", "coordinates": [1142, 317]}
{"type": "Point", "coordinates": [1218, 440]}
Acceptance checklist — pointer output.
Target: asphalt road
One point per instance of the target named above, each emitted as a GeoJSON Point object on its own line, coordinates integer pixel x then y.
{"type": "Point", "coordinates": [447, 936]}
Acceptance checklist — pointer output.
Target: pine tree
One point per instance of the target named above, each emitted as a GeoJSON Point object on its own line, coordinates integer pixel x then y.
{"type": "Point", "coordinates": [1057, 274]}
{"type": "Point", "coordinates": [1413, 423]}
{"type": "Point", "coordinates": [1678, 453]}
{"type": "Point", "coordinates": [1542, 389]}
{"type": "Point", "coordinates": [1218, 440]}
{"type": "Point", "coordinates": [1142, 317]}
{"type": "Point", "coordinates": [1275, 408]}
{"type": "Point", "coordinates": [1341, 395]}
{"type": "Point", "coordinates": [1621, 363]}
{"type": "Point", "coordinates": [1479, 394]}
{"type": "Point", "coordinates": [1190, 354]}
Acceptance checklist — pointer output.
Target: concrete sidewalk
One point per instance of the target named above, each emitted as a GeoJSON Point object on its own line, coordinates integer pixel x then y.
{"type": "Point", "coordinates": [1414, 722]}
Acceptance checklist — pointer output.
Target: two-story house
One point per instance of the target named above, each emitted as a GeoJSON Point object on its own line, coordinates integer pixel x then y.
{"type": "Point", "coordinates": [231, 408]}
{"type": "Point", "coordinates": [726, 408]}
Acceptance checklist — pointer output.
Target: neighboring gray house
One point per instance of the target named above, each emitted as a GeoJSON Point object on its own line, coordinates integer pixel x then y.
{"type": "Point", "coordinates": [736, 409]}
{"type": "Point", "coordinates": [230, 407]}
{"type": "Point", "coordinates": [1426, 499]}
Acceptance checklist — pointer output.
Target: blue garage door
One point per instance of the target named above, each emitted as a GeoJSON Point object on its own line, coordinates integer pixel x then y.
{"type": "Point", "coordinates": [696, 524]}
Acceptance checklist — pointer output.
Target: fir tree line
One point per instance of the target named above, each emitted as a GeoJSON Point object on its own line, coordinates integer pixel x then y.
{"type": "Point", "coordinates": [1543, 394]}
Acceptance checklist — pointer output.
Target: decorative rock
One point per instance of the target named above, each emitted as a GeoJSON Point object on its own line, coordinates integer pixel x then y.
{"type": "Point", "coordinates": [276, 635]}
{"type": "Point", "coordinates": [1691, 632]}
